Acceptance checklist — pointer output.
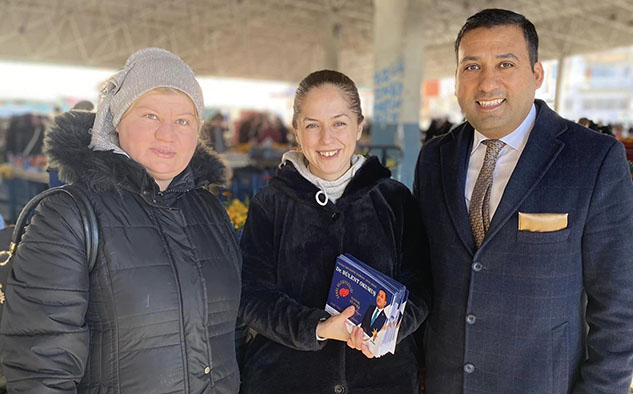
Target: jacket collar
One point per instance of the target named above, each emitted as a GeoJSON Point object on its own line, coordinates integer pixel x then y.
{"type": "Point", "coordinates": [291, 182]}
{"type": "Point", "coordinates": [541, 150]}
{"type": "Point", "coordinates": [66, 145]}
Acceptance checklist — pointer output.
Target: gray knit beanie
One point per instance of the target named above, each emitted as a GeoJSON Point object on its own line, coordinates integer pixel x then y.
{"type": "Point", "coordinates": [145, 70]}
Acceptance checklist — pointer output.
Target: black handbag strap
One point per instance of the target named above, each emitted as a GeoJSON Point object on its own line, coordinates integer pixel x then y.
{"type": "Point", "coordinates": [88, 220]}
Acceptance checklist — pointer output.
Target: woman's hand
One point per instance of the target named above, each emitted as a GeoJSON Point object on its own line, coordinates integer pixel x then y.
{"type": "Point", "coordinates": [335, 327]}
{"type": "Point", "coordinates": [357, 342]}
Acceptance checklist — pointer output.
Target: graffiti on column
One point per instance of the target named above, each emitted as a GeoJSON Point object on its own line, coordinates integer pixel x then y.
{"type": "Point", "coordinates": [388, 93]}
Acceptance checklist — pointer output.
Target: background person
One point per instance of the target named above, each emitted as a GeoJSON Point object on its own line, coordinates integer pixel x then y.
{"type": "Point", "coordinates": [157, 313]}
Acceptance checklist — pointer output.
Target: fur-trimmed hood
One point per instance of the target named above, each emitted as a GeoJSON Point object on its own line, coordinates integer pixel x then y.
{"type": "Point", "coordinates": [66, 146]}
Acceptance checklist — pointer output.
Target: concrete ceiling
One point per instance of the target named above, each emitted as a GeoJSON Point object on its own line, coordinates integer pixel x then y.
{"type": "Point", "coordinates": [279, 39]}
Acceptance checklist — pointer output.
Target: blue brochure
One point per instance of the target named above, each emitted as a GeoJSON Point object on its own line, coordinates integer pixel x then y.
{"type": "Point", "coordinates": [379, 301]}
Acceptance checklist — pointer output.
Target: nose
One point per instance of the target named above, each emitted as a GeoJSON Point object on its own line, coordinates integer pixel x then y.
{"type": "Point", "coordinates": [489, 80]}
{"type": "Point", "coordinates": [165, 131]}
{"type": "Point", "coordinates": [326, 134]}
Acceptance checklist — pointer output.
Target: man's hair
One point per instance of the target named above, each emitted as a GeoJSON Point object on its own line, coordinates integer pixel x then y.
{"type": "Point", "coordinates": [493, 17]}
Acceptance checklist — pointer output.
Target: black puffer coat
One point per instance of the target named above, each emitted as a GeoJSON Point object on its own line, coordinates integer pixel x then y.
{"type": "Point", "coordinates": [157, 313]}
{"type": "Point", "coordinates": [289, 246]}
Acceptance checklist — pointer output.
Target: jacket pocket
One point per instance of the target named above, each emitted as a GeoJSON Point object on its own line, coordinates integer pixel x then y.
{"type": "Point", "coordinates": [559, 358]}
{"type": "Point", "coordinates": [543, 237]}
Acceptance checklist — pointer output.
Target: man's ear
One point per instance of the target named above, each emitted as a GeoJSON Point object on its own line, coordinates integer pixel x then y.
{"type": "Point", "coordinates": [539, 74]}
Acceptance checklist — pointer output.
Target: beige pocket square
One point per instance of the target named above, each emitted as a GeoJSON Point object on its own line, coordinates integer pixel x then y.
{"type": "Point", "coordinates": [542, 222]}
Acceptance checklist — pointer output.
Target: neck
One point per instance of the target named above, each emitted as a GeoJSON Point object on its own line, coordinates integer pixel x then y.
{"type": "Point", "coordinates": [330, 178]}
{"type": "Point", "coordinates": [163, 185]}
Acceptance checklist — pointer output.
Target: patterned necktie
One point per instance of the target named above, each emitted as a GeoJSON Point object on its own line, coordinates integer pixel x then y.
{"type": "Point", "coordinates": [479, 212]}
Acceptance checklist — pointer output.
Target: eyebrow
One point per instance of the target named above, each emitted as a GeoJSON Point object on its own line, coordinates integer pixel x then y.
{"type": "Point", "coordinates": [333, 117]}
{"type": "Point", "coordinates": [152, 109]}
{"type": "Point", "coordinates": [508, 55]}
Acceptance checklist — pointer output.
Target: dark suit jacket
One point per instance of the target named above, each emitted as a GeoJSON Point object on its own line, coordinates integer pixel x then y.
{"type": "Point", "coordinates": [378, 323]}
{"type": "Point", "coordinates": [514, 310]}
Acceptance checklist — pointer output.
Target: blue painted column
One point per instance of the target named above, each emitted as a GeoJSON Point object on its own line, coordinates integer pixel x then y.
{"type": "Point", "coordinates": [398, 69]}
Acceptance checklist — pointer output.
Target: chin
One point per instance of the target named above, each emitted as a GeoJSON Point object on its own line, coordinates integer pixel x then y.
{"type": "Point", "coordinates": [163, 173]}
{"type": "Point", "coordinates": [332, 175]}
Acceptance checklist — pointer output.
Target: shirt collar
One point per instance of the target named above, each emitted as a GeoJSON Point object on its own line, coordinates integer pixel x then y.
{"type": "Point", "coordinates": [515, 140]}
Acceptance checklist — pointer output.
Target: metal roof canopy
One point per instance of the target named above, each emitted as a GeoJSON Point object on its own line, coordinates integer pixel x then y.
{"type": "Point", "coordinates": [279, 39]}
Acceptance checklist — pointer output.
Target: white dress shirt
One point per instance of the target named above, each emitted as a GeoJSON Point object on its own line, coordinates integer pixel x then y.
{"type": "Point", "coordinates": [506, 162]}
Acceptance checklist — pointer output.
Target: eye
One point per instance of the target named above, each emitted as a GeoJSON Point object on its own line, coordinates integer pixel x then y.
{"type": "Point", "coordinates": [182, 122]}
{"type": "Point", "coordinates": [339, 124]}
{"type": "Point", "coordinates": [151, 116]}
{"type": "Point", "coordinates": [506, 65]}
{"type": "Point", "coordinates": [311, 126]}
{"type": "Point", "coordinates": [472, 67]}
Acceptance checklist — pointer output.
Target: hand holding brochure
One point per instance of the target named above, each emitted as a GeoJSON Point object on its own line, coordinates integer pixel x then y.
{"type": "Point", "coordinates": [379, 301]}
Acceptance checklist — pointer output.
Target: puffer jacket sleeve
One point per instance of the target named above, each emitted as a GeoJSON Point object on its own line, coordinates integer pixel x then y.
{"type": "Point", "coordinates": [44, 335]}
{"type": "Point", "coordinates": [264, 307]}
{"type": "Point", "coordinates": [414, 268]}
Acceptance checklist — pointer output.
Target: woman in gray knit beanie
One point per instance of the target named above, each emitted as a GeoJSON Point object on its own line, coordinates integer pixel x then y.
{"type": "Point", "coordinates": [159, 79]}
{"type": "Point", "coordinates": [156, 314]}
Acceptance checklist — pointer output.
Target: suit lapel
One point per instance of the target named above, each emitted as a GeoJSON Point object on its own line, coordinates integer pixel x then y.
{"type": "Point", "coordinates": [539, 153]}
{"type": "Point", "coordinates": [454, 156]}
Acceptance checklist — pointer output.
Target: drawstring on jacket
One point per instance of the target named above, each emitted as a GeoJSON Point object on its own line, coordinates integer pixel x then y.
{"type": "Point", "coordinates": [321, 192]}
{"type": "Point", "coordinates": [328, 190]}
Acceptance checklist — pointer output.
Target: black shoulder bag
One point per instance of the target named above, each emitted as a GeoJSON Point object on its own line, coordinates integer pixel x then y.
{"type": "Point", "coordinates": [88, 220]}
{"type": "Point", "coordinates": [89, 224]}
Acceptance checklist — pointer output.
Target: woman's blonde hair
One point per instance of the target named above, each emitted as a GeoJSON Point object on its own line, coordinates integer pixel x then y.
{"type": "Point", "coordinates": [328, 77]}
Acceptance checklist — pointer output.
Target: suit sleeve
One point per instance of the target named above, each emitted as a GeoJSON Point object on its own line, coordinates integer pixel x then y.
{"type": "Point", "coordinates": [414, 269]}
{"type": "Point", "coordinates": [607, 254]}
{"type": "Point", "coordinates": [264, 306]}
{"type": "Point", "coordinates": [44, 336]}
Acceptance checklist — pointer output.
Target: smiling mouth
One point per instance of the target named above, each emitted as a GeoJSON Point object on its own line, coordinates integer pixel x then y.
{"type": "Point", "coordinates": [490, 104]}
{"type": "Point", "coordinates": [328, 153]}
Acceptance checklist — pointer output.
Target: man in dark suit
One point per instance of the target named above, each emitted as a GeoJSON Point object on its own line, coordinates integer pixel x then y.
{"type": "Point", "coordinates": [529, 222]}
{"type": "Point", "coordinates": [374, 318]}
